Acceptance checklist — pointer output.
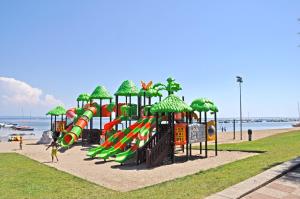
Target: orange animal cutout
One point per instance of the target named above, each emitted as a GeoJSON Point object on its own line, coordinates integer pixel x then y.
{"type": "Point", "coordinates": [146, 86]}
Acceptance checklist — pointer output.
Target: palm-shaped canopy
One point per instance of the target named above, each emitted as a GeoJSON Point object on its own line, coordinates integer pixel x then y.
{"type": "Point", "coordinates": [151, 92]}
{"type": "Point", "coordinates": [59, 110]}
{"type": "Point", "coordinates": [204, 105]}
{"type": "Point", "coordinates": [84, 97]}
{"type": "Point", "coordinates": [171, 104]}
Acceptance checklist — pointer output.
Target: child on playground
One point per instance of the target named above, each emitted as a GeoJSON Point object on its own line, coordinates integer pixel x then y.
{"type": "Point", "coordinates": [54, 147]}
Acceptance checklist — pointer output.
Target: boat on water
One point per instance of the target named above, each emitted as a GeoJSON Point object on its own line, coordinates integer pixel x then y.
{"type": "Point", "coordinates": [296, 125]}
{"type": "Point", "coordinates": [23, 128]}
{"type": "Point", "coordinates": [7, 125]}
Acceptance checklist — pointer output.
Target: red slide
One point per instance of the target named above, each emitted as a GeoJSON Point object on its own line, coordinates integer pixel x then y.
{"type": "Point", "coordinates": [108, 126]}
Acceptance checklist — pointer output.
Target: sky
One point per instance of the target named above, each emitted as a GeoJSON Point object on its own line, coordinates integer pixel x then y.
{"type": "Point", "coordinates": [51, 51]}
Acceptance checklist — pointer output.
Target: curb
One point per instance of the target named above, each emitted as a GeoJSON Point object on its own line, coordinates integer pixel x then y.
{"type": "Point", "coordinates": [245, 187]}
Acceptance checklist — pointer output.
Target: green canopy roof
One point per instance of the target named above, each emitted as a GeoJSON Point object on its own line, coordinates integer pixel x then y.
{"type": "Point", "coordinates": [171, 104]}
{"type": "Point", "coordinates": [127, 88]}
{"type": "Point", "coordinates": [204, 105]}
{"type": "Point", "coordinates": [151, 92]}
{"type": "Point", "coordinates": [59, 110]}
{"type": "Point", "coordinates": [83, 97]}
{"type": "Point", "coordinates": [100, 92]}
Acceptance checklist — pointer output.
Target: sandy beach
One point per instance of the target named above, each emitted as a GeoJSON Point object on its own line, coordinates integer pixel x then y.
{"type": "Point", "coordinates": [129, 177]}
{"type": "Point", "coordinates": [256, 134]}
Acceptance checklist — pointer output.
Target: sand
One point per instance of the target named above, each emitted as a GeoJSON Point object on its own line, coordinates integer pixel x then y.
{"type": "Point", "coordinates": [112, 175]}
{"type": "Point", "coordinates": [256, 134]}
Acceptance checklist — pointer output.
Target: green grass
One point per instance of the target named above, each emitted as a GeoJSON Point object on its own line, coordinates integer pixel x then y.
{"type": "Point", "coordinates": [25, 178]}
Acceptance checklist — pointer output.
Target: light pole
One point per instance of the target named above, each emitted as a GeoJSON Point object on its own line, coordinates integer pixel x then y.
{"type": "Point", "coordinates": [240, 81]}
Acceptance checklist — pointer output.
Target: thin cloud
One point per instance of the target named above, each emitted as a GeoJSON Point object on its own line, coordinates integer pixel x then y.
{"type": "Point", "coordinates": [16, 92]}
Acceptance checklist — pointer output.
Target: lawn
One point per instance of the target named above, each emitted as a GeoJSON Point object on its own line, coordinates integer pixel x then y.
{"type": "Point", "coordinates": [22, 177]}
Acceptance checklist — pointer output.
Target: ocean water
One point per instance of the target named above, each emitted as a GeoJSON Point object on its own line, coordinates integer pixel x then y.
{"type": "Point", "coordinates": [41, 124]}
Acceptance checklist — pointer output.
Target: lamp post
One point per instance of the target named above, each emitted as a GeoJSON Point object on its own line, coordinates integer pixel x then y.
{"type": "Point", "coordinates": [240, 81]}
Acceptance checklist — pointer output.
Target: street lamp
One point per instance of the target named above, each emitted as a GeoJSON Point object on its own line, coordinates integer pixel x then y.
{"type": "Point", "coordinates": [240, 81]}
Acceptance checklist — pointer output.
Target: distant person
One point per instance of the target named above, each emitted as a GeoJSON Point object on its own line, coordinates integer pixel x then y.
{"type": "Point", "coordinates": [222, 129]}
{"type": "Point", "coordinates": [225, 129]}
{"type": "Point", "coordinates": [54, 147]}
{"type": "Point", "coordinates": [21, 142]}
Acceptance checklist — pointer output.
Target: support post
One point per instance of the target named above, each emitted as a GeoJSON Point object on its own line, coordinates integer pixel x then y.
{"type": "Point", "coordinates": [100, 115]}
{"type": "Point", "coordinates": [187, 135]}
{"type": "Point", "coordinates": [139, 107]}
{"type": "Point", "coordinates": [110, 100]}
{"type": "Point", "coordinates": [216, 135]}
{"type": "Point", "coordinates": [51, 126]}
{"type": "Point", "coordinates": [234, 129]}
{"type": "Point", "coordinates": [173, 137]}
{"type": "Point", "coordinates": [91, 120]}
{"type": "Point", "coordinates": [144, 102]}
{"type": "Point", "coordinates": [200, 121]}
{"type": "Point", "coordinates": [241, 119]}
{"type": "Point", "coordinates": [117, 109]}
{"type": "Point", "coordinates": [130, 110]}
{"type": "Point", "coordinates": [54, 123]}
{"type": "Point", "coordinates": [126, 125]}
{"type": "Point", "coordinates": [205, 118]}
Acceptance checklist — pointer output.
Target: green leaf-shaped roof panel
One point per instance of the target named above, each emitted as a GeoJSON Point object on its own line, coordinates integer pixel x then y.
{"type": "Point", "coordinates": [59, 110]}
{"type": "Point", "coordinates": [151, 92]}
{"type": "Point", "coordinates": [204, 105]}
{"type": "Point", "coordinates": [100, 92]}
{"type": "Point", "coordinates": [127, 88]}
{"type": "Point", "coordinates": [83, 97]}
{"type": "Point", "coordinates": [171, 104]}
{"type": "Point", "coordinates": [214, 108]}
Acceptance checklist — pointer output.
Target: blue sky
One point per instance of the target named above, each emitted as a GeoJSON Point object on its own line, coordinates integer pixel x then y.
{"type": "Point", "coordinates": [63, 48]}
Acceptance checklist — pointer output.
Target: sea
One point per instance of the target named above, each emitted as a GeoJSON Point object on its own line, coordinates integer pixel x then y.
{"type": "Point", "coordinates": [41, 124]}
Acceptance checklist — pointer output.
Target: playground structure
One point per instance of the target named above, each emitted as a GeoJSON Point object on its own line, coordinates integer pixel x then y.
{"type": "Point", "coordinates": [146, 131]}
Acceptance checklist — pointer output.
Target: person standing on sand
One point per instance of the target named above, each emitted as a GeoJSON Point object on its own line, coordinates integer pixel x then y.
{"type": "Point", "coordinates": [53, 150]}
{"type": "Point", "coordinates": [21, 142]}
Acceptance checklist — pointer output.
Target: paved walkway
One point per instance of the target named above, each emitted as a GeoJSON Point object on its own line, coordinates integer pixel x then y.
{"type": "Point", "coordinates": [281, 181]}
{"type": "Point", "coordinates": [286, 187]}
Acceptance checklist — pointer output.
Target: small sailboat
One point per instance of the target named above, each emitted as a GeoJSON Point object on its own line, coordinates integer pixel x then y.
{"type": "Point", "coordinates": [23, 128]}
{"type": "Point", "coordinates": [298, 124]}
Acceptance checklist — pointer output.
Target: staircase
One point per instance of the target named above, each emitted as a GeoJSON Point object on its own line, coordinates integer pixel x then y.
{"type": "Point", "coordinates": [156, 149]}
